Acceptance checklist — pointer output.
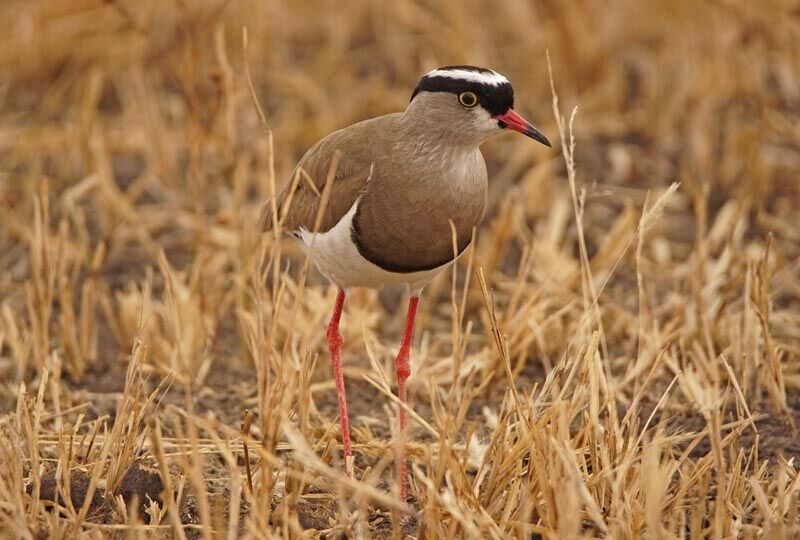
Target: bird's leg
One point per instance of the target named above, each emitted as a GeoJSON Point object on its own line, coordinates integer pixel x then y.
{"type": "Point", "coordinates": [335, 347]}
{"type": "Point", "coordinates": [403, 367]}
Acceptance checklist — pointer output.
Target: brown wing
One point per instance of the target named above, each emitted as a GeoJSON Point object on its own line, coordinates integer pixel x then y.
{"type": "Point", "coordinates": [298, 210]}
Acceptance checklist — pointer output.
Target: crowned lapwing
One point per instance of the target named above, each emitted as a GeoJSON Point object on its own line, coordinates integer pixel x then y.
{"type": "Point", "coordinates": [403, 182]}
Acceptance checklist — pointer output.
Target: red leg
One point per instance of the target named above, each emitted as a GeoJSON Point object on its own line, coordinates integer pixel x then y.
{"type": "Point", "coordinates": [403, 367]}
{"type": "Point", "coordinates": [335, 347]}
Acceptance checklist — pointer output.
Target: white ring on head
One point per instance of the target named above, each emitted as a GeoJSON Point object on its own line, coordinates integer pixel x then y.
{"type": "Point", "coordinates": [486, 77]}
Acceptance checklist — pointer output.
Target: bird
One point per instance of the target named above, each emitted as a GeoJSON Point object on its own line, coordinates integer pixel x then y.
{"type": "Point", "coordinates": [394, 200]}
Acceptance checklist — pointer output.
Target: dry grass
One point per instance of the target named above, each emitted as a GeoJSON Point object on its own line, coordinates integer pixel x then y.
{"type": "Point", "coordinates": [618, 356]}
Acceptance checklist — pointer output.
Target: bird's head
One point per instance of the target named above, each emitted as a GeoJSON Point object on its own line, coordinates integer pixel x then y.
{"type": "Point", "coordinates": [470, 103]}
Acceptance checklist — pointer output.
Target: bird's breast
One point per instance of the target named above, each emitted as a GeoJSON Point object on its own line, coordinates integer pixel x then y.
{"type": "Point", "coordinates": [408, 218]}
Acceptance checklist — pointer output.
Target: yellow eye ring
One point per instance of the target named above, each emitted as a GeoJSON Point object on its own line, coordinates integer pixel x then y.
{"type": "Point", "coordinates": [468, 99]}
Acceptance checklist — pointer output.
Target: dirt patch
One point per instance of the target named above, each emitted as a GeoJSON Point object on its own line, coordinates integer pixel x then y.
{"type": "Point", "coordinates": [777, 432]}
{"type": "Point", "coordinates": [51, 490]}
{"type": "Point", "coordinates": [315, 515]}
{"type": "Point", "coordinates": [142, 483]}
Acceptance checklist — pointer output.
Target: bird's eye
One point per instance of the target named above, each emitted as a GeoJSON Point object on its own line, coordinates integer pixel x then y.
{"type": "Point", "coordinates": [468, 99]}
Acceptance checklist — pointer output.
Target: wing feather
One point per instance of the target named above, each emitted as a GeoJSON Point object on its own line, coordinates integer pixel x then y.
{"type": "Point", "coordinates": [298, 202]}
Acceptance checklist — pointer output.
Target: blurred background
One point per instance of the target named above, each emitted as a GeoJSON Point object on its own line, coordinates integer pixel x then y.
{"type": "Point", "coordinates": [133, 164]}
{"type": "Point", "coordinates": [700, 93]}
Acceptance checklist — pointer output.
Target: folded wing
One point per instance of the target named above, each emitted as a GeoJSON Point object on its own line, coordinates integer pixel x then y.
{"type": "Point", "coordinates": [299, 201]}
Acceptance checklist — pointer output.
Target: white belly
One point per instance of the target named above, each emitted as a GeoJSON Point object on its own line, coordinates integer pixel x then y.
{"type": "Point", "coordinates": [338, 259]}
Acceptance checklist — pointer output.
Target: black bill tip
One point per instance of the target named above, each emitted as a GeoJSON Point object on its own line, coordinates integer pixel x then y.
{"type": "Point", "coordinates": [537, 135]}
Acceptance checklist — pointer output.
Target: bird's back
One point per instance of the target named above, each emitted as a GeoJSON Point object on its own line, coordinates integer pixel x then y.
{"type": "Point", "coordinates": [297, 208]}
